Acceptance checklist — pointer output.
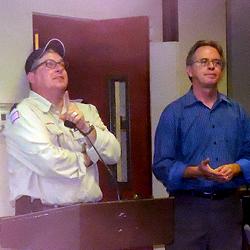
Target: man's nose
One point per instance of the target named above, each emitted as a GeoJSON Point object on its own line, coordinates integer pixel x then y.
{"type": "Point", "coordinates": [59, 67]}
{"type": "Point", "coordinates": [210, 65]}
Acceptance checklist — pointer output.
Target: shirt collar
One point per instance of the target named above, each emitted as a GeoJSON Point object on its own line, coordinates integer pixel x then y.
{"type": "Point", "coordinates": [190, 98]}
{"type": "Point", "coordinates": [43, 104]}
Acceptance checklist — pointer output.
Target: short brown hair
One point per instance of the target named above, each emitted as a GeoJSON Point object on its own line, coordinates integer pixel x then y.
{"type": "Point", "coordinates": [202, 43]}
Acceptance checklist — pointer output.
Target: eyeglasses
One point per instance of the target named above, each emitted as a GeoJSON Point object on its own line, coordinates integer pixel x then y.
{"type": "Point", "coordinates": [205, 62]}
{"type": "Point", "coordinates": [51, 64]}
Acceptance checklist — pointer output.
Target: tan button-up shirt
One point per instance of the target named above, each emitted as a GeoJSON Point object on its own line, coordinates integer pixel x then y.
{"type": "Point", "coordinates": [45, 159]}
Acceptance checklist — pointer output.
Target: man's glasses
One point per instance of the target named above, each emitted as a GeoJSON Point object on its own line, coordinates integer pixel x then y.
{"type": "Point", "coordinates": [205, 62]}
{"type": "Point", "coordinates": [51, 64]}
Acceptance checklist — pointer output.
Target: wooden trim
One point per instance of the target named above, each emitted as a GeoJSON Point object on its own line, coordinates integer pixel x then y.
{"type": "Point", "coordinates": [170, 20]}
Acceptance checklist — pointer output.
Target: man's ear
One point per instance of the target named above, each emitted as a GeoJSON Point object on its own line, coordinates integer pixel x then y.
{"type": "Point", "coordinates": [30, 77]}
{"type": "Point", "coordinates": [189, 71]}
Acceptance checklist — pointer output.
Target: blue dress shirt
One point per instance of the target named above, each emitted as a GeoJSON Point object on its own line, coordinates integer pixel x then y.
{"type": "Point", "coordinates": [189, 132]}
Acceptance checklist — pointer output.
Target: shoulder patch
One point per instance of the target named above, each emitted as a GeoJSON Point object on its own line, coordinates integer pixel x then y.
{"type": "Point", "coordinates": [14, 115]}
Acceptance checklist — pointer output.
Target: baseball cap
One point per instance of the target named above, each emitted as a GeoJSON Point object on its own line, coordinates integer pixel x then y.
{"type": "Point", "coordinates": [54, 44]}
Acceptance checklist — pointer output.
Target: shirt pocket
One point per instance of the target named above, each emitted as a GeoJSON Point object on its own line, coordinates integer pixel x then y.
{"type": "Point", "coordinates": [55, 133]}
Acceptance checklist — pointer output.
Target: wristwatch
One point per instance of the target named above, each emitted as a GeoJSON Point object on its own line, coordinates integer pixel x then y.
{"type": "Point", "coordinates": [91, 128]}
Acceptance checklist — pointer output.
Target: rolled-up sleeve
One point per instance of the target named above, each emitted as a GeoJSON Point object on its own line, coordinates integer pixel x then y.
{"type": "Point", "coordinates": [166, 168]}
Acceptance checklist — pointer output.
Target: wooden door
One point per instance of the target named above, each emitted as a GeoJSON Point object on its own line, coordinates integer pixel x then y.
{"type": "Point", "coordinates": [101, 53]}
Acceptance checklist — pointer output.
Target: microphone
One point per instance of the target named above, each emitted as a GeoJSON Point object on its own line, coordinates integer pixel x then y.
{"type": "Point", "coordinates": [72, 125]}
{"type": "Point", "coordinates": [69, 124]}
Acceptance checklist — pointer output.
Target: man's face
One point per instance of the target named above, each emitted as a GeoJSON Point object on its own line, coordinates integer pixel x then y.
{"type": "Point", "coordinates": [206, 70]}
{"type": "Point", "coordinates": [44, 79]}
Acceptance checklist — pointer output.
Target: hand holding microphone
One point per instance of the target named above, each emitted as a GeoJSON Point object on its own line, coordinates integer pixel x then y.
{"type": "Point", "coordinates": [74, 118]}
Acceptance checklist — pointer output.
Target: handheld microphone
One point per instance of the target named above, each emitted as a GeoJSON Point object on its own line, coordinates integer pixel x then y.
{"type": "Point", "coordinates": [69, 124]}
{"type": "Point", "coordinates": [72, 125]}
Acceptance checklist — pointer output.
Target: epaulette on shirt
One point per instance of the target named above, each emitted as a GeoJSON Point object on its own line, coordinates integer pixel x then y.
{"type": "Point", "coordinates": [14, 114]}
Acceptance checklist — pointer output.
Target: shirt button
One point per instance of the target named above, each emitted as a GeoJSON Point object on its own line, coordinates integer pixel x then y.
{"type": "Point", "coordinates": [216, 158]}
{"type": "Point", "coordinates": [213, 126]}
{"type": "Point", "coordinates": [215, 142]}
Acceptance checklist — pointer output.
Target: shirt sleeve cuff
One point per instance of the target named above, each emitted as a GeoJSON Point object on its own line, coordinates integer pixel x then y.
{"type": "Point", "coordinates": [176, 173]}
{"type": "Point", "coordinates": [245, 168]}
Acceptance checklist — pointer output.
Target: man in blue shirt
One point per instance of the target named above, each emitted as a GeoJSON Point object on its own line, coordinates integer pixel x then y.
{"type": "Point", "coordinates": [202, 156]}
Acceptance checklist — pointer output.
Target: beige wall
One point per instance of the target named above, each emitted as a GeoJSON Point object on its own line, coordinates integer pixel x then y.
{"type": "Point", "coordinates": [198, 19]}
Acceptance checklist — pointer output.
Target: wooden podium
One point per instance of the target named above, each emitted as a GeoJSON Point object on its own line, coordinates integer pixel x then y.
{"type": "Point", "coordinates": [112, 225]}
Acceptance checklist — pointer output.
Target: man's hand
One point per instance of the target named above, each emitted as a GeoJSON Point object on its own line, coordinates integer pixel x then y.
{"type": "Point", "coordinates": [201, 170]}
{"type": "Point", "coordinates": [206, 170]}
{"type": "Point", "coordinates": [87, 160]}
{"type": "Point", "coordinates": [223, 173]}
{"type": "Point", "coordinates": [74, 115]}
{"type": "Point", "coordinates": [227, 172]}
